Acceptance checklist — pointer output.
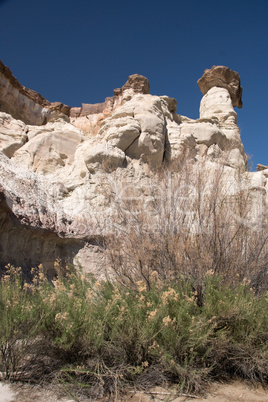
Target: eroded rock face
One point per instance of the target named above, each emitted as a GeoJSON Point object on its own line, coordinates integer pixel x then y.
{"type": "Point", "coordinates": [217, 104]}
{"type": "Point", "coordinates": [217, 107]}
{"type": "Point", "coordinates": [103, 156]}
{"type": "Point", "coordinates": [120, 132]}
{"type": "Point", "coordinates": [58, 180]}
{"type": "Point", "coordinates": [222, 77]}
{"type": "Point", "coordinates": [89, 118]}
{"type": "Point", "coordinates": [49, 147]}
{"type": "Point", "coordinates": [13, 134]}
{"type": "Point", "coordinates": [261, 167]}
{"type": "Point", "coordinates": [39, 222]}
{"type": "Point", "coordinates": [138, 83]}
{"type": "Point", "coordinates": [25, 104]}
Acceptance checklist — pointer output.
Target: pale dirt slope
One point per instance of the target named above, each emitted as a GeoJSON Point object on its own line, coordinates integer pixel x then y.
{"type": "Point", "coordinates": [236, 391]}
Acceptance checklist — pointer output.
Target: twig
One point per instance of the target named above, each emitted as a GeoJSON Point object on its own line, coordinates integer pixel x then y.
{"type": "Point", "coordinates": [165, 393]}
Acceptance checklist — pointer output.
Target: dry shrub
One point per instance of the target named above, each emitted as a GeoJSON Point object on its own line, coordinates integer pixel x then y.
{"type": "Point", "coordinates": [188, 222]}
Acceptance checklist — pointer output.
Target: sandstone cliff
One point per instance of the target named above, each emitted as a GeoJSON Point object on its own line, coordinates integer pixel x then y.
{"type": "Point", "coordinates": [57, 162]}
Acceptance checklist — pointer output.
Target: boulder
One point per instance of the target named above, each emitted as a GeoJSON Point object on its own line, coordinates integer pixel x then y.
{"type": "Point", "coordinates": [138, 83]}
{"type": "Point", "coordinates": [103, 156]}
{"type": "Point", "coordinates": [121, 132]}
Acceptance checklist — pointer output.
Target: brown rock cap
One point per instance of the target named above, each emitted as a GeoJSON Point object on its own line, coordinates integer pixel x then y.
{"type": "Point", "coordinates": [261, 167]}
{"type": "Point", "coordinates": [138, 83]}
{"type": "Point", "coordinates": [223, 77]}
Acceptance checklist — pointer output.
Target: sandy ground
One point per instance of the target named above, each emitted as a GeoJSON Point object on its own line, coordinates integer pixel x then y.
{"type": "Point", "coordinates": [236, 391]}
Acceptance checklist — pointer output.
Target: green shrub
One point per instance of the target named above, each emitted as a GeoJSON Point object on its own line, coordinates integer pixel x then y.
{"type": "Point", "coordinates": [19, 320]}
{"type": "Point", "coordinates": [100, 336]}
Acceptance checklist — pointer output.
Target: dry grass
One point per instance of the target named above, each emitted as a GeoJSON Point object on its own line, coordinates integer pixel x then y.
{"type": "Point", "coordinates": [191, 222]}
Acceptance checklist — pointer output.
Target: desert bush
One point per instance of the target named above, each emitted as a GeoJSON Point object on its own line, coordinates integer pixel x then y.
{"type": "Point", "coordinates": [100, 337]}
{"type": "Point", "coordinates": [19, 321]}
{"type": "Point", "coordinates": [187, 222]}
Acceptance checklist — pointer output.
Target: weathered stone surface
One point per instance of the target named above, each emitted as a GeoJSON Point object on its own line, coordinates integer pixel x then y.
{"type": "Point", "coordinates": [223, 77]}
{"type": "Point", "coordinates": [25, 104]}
{"type": "Point", "coordinates": [103, 156]}
{"type": "Point", "coordinates": [37, 225]}
{"type": "Point", "coordinates": [171, 103]}
{"type": "Point", "coordinates": [92, 109]}
{"type": "Point", "coordinates": [34, 96]}
{"type": "Point", "coordinates": [217, 104]}
{"type": "Point", "coordinates": [59, 124]}
{"type": "Point", "coordinates": [13, 134]}
{"type": "Point", "coordinates": [75, 112]}
{"type": "Point", "coordinates": [59, 108]}
{"type": "Point", "coordinates": [138, 83]}
{"type": "Point", "coordinates": [90, 117]}
{"type": "Point", "coordinates": [216, 108]}
{"type": "Point", "coordinates": [121, 132]}
{"type": "Point", "coordinates": [49, 147]}
{"type": "Point", "coordinates": [150, 144]}
{"type": "Point", "coordinates": [48, 152]}
{"type": "Point", "coordinates": [138, 128]}
{"type": "Point", "coordinates": [59, 188]}
{"type": "Point", "coordinates": [179, 145]}
{"type": "Point", "coordinates": [261, 167]}
{"type": "Point", "coordinates": [204, 133]}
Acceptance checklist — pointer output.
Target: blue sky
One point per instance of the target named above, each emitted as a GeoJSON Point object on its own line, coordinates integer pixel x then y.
{"type": "Point", "coordinates": [79, 51]}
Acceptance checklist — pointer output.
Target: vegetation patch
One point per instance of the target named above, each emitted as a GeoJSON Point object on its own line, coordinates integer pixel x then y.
{"type": "Point", "coordinates": [98, 338]}
{"type": "Point", "coordinates": [184, 300]}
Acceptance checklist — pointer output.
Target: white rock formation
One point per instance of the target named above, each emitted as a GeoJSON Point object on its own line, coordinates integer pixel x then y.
{"type": "Point", "coordinates": [25, 104]}
{"type": "Point", "coordinates": [49, 147]}
{"type": "Point", "coordinates": [13, 134]}
{"type": "Point", "coordinates": [59, 181]}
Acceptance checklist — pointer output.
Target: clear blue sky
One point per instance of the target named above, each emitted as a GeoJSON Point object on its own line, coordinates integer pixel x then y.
{"type": "Point", "coordinates": [77, 51]}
